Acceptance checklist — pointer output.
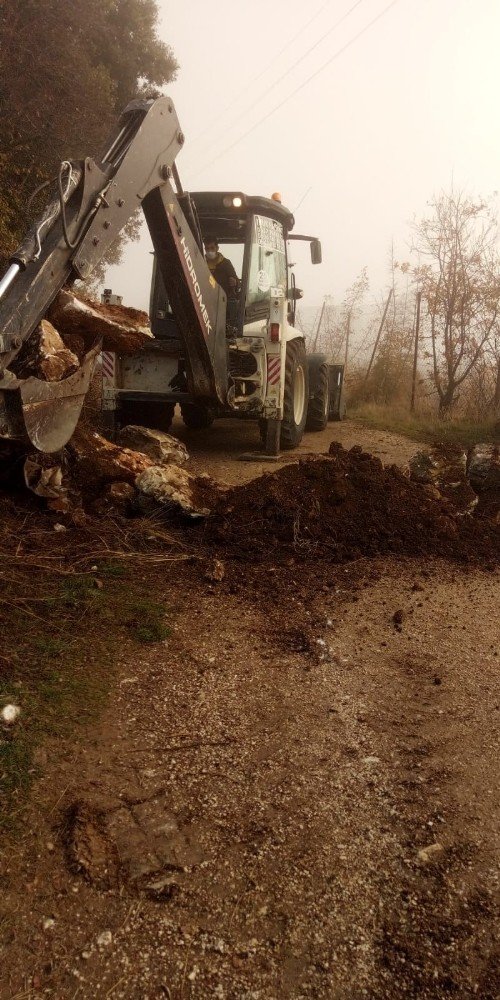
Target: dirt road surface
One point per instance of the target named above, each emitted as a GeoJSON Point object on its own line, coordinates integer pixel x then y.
{"type": "Point", "coordinates": [295, 795]}
{"type": "Point", "coordinates": [218, 450]}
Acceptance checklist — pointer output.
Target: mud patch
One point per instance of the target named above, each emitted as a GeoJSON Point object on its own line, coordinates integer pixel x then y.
{"type": "Point", "coordinates": [142, 845]}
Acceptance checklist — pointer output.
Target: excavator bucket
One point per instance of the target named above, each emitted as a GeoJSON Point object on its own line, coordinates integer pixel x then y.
{"type": "Point", "coordinates": [45, 413]}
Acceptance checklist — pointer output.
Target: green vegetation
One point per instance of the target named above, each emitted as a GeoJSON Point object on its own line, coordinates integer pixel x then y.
{"type": "Point", "coordinates": [427, 428]}
{"type": "Point", "coordinates": [62, 638]}
{"type": "Point", "coordinates": [88, 62]}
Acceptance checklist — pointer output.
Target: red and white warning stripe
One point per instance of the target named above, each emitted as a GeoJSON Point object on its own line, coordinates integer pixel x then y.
{"type": "Point", "coordinates": [108, 364]}
{"type": "Point", "coordinates": [273, 370]}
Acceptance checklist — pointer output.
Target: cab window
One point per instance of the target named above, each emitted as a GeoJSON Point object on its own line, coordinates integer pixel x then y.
{"type": "Point", "coordinates": [267, 265]}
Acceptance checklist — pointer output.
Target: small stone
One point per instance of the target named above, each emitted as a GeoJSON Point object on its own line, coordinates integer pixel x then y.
{"type": "Point", "coordinates": [10, 714]}
{"type": "Point", "coordinates": [105, 939]}
{"type": "Point", "coordinates": [48, 924]}
{"type": "Point", "coordinates": [120, 491]}
{"type": "Point", "coordinates": [215, 571]}
{"type": "Point", "coordinates": [430, 853]}
{"type": "Point", "coordinates": [60, 528]}
{"type": "Point", "coordinates": [398, 617]}
{"type": "Point", "coordinates": [162, 888]}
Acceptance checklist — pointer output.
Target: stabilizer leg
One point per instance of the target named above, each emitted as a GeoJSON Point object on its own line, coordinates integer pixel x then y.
{"type": "Point", "coordinates": [273, 430]}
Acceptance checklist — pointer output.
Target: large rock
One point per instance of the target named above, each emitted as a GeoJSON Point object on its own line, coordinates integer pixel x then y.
{"type": "Point", "coordinates": [122, 329]}
{"type": "Point", "coordinates": [172, 487]}
{"type": "Point", "coordinates": [45, 356]}
{"type": "Point", "coordinates": [162, 448]}
{"type": "Point", "coordinates": [441, 463]}
{"type": "Point", "coordinates": [483, 467]}
{"type": "Point", "coordinates": [97, 462]}
{"type": "Point", "coordinates": [444, 468]}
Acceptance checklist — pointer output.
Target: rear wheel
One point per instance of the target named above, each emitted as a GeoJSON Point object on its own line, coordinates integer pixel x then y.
{"type": "Point", "coordinates": [319, 404]}
{"type": "Point", "coordinates": [196, 416]}
{"type": "Point", "coordinates": [157, 416]}
{"type": "Point", "coordinates": [295, 398]}
{"type": "Point", "coordinates": [296, 394]}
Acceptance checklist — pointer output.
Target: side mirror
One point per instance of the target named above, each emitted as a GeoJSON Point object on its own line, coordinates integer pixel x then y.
{"type": "Point", "coordinates": [316, 255]}
{"type": "Point", "coordinates": [295, 294]}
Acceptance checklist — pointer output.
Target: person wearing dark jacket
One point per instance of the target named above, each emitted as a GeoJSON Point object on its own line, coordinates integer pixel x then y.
{"type": "Point", "coordinates": [222, 269]}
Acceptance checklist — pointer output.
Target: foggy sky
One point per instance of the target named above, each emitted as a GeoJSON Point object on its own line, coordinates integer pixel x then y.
{"type": "Point", "coordinates": [409, 108]}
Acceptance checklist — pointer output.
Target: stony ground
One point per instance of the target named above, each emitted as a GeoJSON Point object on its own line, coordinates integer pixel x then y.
{"type": "Point", "coordinates": [294, 795]}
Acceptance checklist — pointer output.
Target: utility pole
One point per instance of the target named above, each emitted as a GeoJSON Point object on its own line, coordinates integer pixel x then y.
{"type": "Point", "coordinates": [319, 324]}
{"type": "Point", "coordinates": [415, 353]}
{"type": "Point", "coordinates": [381, 327]}
{"type": "Point", "coordinates": [347, 335]}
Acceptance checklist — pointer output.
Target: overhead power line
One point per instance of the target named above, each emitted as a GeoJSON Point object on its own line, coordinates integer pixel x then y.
{"type": "Point", "coordinates": [263, 72]}
{"type": "Point", "coordinates": [301, 86]}
{"type": "Point", "coordinates": [291, 69]}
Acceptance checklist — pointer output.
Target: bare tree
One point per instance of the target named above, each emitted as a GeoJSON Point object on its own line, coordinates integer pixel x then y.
{"type": "Point", "coordinates": [460, 283]}
{"type": "Point", "coordinates": [350, 311]}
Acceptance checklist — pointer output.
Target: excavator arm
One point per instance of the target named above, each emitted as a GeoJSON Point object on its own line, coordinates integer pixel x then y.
{"type": "Point", "coordinates": [94, 201]}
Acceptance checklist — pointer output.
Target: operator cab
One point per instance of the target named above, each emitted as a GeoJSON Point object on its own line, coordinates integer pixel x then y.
{"type": "Point", "coordinates": [252, 233]}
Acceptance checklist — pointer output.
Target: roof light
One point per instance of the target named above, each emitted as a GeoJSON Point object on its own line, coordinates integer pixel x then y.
{"type": "Point", "coordinates": [276, 197]}
{"type": "Point", "coordinates": [230, 201]}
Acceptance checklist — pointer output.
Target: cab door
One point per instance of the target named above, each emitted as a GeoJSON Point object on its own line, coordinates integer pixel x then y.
{"type": "Point", "coordinates": [265, 268]}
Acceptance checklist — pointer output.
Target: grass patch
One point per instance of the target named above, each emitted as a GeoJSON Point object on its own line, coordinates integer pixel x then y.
{"type": "Point", "coordinates": [145, 621]}
{"type": "Point", "coordinates": [427, 428]}
{"type": "Point", "coordinates": [114, 569]}
{"type": "Point", "coordinates": [61, 639]}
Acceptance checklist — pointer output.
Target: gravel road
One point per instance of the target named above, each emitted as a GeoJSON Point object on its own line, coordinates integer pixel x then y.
{"type": "Point", "coordinates": [295, 795]}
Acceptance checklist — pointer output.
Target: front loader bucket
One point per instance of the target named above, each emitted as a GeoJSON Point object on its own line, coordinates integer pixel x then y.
{"type": "Point", "coordinates": [45, 413]}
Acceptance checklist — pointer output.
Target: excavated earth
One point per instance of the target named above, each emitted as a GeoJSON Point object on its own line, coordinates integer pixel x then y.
{"type": "Point", "coordinates": [295, 794]}
{"type": "Point", "coordinates": [347, 505]}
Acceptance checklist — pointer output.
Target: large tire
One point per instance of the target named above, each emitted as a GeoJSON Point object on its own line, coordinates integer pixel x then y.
{"type": "Point", "coordinates": [196, 416]}
{"type": "Point", "coordinates": [296, 395]}
{"type": "Point", "coordinates": [319, 402]}
{"type": "Point", "coordinates": [157, 416]}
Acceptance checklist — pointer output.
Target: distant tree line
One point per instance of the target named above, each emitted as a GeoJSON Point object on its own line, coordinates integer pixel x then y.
{"type": "Point", "coordinates": [66, 71]}
{"type": "Point", "coordinates": [454, 272]}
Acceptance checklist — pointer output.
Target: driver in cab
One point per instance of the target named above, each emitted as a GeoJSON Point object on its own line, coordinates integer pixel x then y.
{"type": "Point", "coordinates": [221, 269]}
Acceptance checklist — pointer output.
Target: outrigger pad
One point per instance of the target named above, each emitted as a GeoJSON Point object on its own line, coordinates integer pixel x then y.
{"type": "Point", "coordinates": [260, 456]}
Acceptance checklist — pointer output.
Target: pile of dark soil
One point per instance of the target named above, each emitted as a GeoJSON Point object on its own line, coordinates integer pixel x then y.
{"type": "Point", "coordinates": [343, 506]}
{"type": "Point", "coordinates": [489, 504]}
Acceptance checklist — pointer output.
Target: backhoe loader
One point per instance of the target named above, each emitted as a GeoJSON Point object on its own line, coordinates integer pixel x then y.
{"type": "Point", "coordinates": [241, 356]}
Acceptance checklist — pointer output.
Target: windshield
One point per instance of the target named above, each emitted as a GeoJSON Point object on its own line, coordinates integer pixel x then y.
{"type": "Point", "coordinates": [267, 264]}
